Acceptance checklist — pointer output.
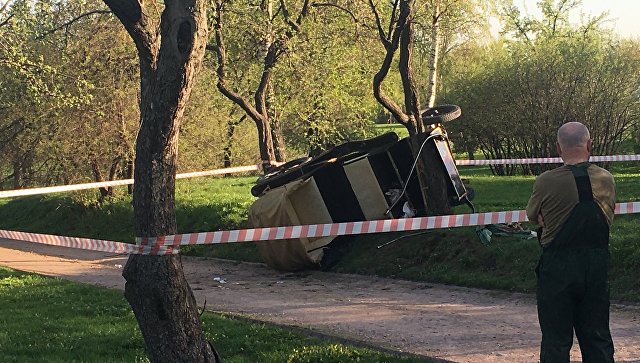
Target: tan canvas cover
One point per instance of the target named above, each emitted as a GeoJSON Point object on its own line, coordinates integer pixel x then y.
{"type": "Point", "coordinates": [296, 203]}
{"type": "Point", "coordinates": [367, 189]}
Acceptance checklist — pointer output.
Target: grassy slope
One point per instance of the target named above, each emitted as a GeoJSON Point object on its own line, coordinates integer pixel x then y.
{"type": "Point", "coordinates": [451, 256]}
{"type": "Point", "coordinates": [456, 256]}
{"type": "Point", "coordinates": [51, 320]}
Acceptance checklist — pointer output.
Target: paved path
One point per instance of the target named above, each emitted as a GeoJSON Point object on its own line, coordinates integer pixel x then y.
{"type": "Point", "coordinates": [452, 323]}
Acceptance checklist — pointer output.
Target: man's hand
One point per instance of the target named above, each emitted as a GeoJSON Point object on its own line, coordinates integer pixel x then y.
{"type": "Point", "coordinates": [540, 220]}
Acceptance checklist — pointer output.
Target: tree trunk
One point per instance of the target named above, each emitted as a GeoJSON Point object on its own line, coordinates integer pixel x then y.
{"type": "Point", "coordinates": [271, 49]}
{"type": "Point", "coordinates": [265, 142]}
{"type": "Point", "coordinates": [279, 148]}
{"type": "Point", "coordinates": [391, 42]}
{"type": "Point", "coordinates": [434, 182]}
{"type": "Point", "coordinates": [17, 172]}
{"type": "Point", "coordinates": [405, 65]}
{"type": "Point", "coordinates": [432, 177]}
{"type": "Point", "coordinates": [231, 129]}
{"type": "Point", "coordinates": [97, 176]}
{"type": "Point", "coordinates": [156, 288]}
{"type": "Point", "coordinates": [434, 54]}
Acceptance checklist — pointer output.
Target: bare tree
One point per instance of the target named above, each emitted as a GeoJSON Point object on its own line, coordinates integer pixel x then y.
{"type": "Point", "coordinates": [170, 50]}
{"type": "Point", "coordinates": [274, 47]}
{"type": "Point", "coordinates": [434, 53]}
{"type": "Point", "coordinates": [400, 26]}
{"type": "Point", "coordinates": [398, 38]}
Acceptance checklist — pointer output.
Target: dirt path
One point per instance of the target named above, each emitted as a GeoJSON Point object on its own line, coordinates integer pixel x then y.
{"type": "Point", "coordinates": [452, 323]}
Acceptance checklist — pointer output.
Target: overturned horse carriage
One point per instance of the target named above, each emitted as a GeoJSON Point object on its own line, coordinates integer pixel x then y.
{"type": "Point", "coordinates": [359, 180]}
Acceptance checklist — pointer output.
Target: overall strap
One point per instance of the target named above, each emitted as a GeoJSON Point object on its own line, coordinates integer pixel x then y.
{"type": "Point", "coordinates": [586, 225]}
{"type": "Point", "coordinates": [583, 183]}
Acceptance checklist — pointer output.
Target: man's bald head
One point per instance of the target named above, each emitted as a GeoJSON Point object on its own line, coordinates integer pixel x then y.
{"type": "Point", "coordinates": [574, 143]}
{"type": "Point", "coordinates": [573, 134]}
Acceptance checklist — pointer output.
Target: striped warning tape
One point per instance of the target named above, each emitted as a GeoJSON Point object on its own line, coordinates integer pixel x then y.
{"type": "Point", "coordinates": [67, 188]}
{"type": "Point", "coordinates": [545, 160]}
{"type": "Point", "coordinates": [170, 244]}
{"type": "Point", "coordinates": [249, 168]}
{"type": "Point", "coordinates": [87, 243]}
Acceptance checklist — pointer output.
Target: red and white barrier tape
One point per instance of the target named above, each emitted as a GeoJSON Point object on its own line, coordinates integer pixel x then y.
{"type": "Point", "coordinates": [87, 243]}
{"type": "Point", "coordinates": [170, 244]}
{"type": "Point", "coordinates": [67, 188]}
{"type": "Point", "coordinates": [545, 160]}
{"type": "Point", "coordinates": [249, 168]}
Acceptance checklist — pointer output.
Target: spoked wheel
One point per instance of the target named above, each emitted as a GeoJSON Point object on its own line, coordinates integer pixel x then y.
{"type": "Point", "coordinates": [441, 114]}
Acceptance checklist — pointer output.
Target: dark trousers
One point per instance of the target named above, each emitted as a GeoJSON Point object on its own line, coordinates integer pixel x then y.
{"type": "Point", "coordinates": [573, 293]}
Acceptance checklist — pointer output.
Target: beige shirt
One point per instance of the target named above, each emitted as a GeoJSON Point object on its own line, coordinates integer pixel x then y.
{"type": "Point", "coordinates": [555, 195]}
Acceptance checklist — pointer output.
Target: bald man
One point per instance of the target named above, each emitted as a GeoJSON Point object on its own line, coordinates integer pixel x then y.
{"type": "Point", "coordinates": [574, 206]}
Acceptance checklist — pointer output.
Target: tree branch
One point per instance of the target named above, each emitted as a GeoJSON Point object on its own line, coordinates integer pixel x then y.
{"type": "Point", "coordinates": [285, 13]}
{"type": "Point", "coordinates": [394, 13]}
{"type": "Point", "coordinates": [4, 6]}
{"type": "Point", "coordinates": [303, 12]}
{"type": "Point", "coordinates": [132, 16]}
{"type": "Point", "coordinates": [381, 33]}
{"type": "Point", "coordinates": [294, 26]}
{"type": "Point", "coordinates": [70, 22]}
{"type": "Point", "coordinates": [379, 77]}
{"type": "Point", "coordinates": [6, 21]}
{"type": "Point", "coordinates": [318, 5]}
{"type": "Point", "coordinates": [219, 49]}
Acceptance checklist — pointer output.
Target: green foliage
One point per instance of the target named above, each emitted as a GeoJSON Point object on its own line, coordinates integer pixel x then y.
{"type": "Point", "coordinates": [517, 91]}
{"type": "Point", "coordinates": [204, 131]}
{"type": "Point", "coordinates": [333, 99]}
{"type": "Point", "coordinates": [51, 320]}
{"type": "Point", "coordinates": [57, 86]}
{"type": "Point", "coordinates": [461, 24]}
{"type": "Point", "coordinates": [321, 96]}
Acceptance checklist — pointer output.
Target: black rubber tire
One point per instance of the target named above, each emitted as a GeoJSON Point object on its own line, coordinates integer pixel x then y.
{"type": "Point", "coordinates": [441, 114]}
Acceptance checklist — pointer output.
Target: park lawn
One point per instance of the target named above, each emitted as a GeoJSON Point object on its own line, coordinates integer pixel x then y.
{"type": "Point", "coordinates": [453, 256]}
{"type": "Point", "coordinates": [52, 320]}
{"type": "Point", "coordinates": [399, 129]}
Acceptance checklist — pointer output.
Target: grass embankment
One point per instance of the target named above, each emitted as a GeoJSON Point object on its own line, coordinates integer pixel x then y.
{"type": "Point", "coordinates": [456, 256]}
{"type": "Point", "coordinates": [51, 320]}
{"type": "Point", "coordinates": [453, 256]}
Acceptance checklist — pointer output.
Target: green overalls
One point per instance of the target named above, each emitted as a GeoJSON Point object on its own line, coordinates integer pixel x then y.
{"type": "Point", "coordinates": [573, 288]}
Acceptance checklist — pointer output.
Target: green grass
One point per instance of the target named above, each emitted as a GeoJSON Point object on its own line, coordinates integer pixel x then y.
{"type": "Point", "coordinates": [204, 204]}
{"type": "Point", "coordinates": [453, 256]}
{"type": "Point", "coordinates": [456, 256]}
{"type": "Point", "coordinates": [400, 130]}
{"type": "Point", "coordinates": [52, 320]}
{"type": "Point", "coordinates": [216, 204]}
{"type": "Point", "coordinates": [72, 322]}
